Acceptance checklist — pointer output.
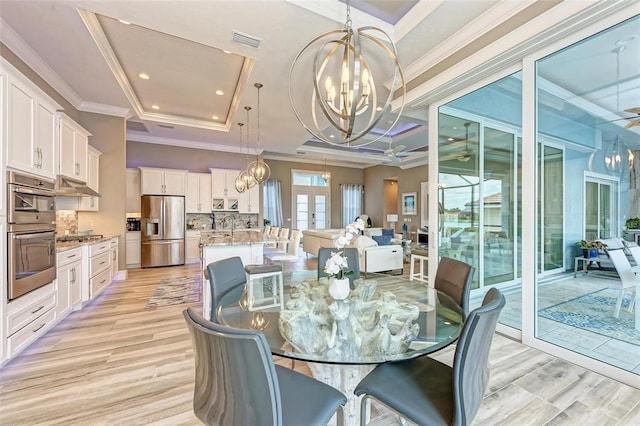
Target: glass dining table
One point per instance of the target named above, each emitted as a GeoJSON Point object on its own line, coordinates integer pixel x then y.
{"type": "Point", "coordinates": [385, 318]}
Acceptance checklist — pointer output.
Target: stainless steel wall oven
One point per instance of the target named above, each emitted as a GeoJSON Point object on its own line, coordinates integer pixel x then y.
{"type": "Point", "coordinates": [31, 233]}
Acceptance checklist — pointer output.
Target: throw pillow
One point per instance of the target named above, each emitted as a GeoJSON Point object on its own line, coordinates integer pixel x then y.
{"type": "Point", "coordinates": [362, 242]}
{"type": "Point", "coordinates": [382, 240]}
{"type": "Point", "coordinates": [388, 232]}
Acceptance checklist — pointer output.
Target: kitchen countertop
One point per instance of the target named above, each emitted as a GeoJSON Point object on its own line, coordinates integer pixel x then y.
{"type": "Point", "coordinates": [68, 245]}
{"type": "Point", "coordinates": [223, 238]}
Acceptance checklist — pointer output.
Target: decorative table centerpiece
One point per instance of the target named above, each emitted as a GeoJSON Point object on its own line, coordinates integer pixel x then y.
{"type": "Point", "coordinates": [337, 267]}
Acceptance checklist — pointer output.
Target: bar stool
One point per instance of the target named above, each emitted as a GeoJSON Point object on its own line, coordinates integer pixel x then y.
{"type": "Point", "coordinates": [421, 256]}
{"type": "Point", "coordinates": [259, 273]}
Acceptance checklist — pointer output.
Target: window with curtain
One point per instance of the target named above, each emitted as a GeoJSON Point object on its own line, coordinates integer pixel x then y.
{"type": "Point", "coordinates": [272, 202]}
{"type": "Point", "coordinates": [352, 196]}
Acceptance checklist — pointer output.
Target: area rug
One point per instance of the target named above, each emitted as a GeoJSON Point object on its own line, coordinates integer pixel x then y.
{"type": "Point", "coordinates": [176, 291]}
{"type": "Point", "coordinates": [594, 312]}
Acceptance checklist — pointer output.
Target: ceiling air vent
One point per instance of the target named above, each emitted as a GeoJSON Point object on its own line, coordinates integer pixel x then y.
{"type": "Point", "coordinates": [246, 39]}
{"type": "Point", "coordinates": [166, 126]}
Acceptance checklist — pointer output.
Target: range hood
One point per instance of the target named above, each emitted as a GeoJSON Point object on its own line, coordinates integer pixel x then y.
{"type": "Point", "coordinates": [73, 188]}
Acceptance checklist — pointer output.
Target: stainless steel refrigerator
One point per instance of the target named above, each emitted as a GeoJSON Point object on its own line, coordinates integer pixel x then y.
{"type": "Point", "coordinates": [162, 231]}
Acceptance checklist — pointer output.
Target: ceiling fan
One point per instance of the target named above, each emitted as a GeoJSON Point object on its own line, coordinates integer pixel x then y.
{"type": "Point", "coordinates": [392, 153]}
{"type": "Point", "coordinates": [466, 154]}
{"type": "Point", "coordinates": [635, 121]}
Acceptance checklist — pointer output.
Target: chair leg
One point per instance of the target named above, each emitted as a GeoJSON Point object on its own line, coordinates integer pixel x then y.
{"type": "Point", "coordinates": [340, 416]}
{"type": "Point", "coordinates": [633, 301]}
{"type": "Point", "coordinates": [363, 410]}
{"type": "Point", "coordinates": [616, 312]}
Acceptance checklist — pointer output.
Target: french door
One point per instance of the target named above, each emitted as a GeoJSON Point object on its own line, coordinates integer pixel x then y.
{"type": "Point", "coordinates": [311, 208]}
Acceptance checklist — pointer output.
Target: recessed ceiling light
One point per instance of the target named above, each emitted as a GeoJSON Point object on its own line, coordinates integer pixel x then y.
{"type": "Point", "coordinates": [122, 21]}
{"type": "Point", "coordinates": [143, 76]}
{"type": "Point", "coordinates": [455, 128]}
{"type": "Point", "coordinates": [379, 109]}
{"type": "Point", "coordinates": [219, 92]}
{"type": "Point", "coordinates": [331, 136]}
{"type": "Point", "coordinates": [226, 51]}
{"type": "Point", "coordinates": [450, 139]}
{"type": "Point", "coordinates": [155, 107]}
{"type": "Point", "coordinates": [215, 117]}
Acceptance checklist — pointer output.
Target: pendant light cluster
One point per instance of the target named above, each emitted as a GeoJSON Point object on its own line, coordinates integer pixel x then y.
{"type": "Point", "coordinates": [256, 171]}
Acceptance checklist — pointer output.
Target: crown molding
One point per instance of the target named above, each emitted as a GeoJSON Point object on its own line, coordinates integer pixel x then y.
{"type": "Point", "coordinates": [105, 109]}
{"type": "Point", "coordinates": [18, 46]}
{"type": "Point", "coordinates": [301, 158]}
{"type": "Point", "coordinates": [140, 137]}
{"type": "Point", "coordinates": [478, 27]}
{"type": "Point", "coordinates": [416, 15]}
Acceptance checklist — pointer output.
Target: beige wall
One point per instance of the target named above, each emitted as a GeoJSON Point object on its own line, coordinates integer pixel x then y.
{"type": "Point", "coordinates": [408, 181]}
{"type": "Point", "coordinates": [390, 189]}
{"type": "Point", "coordinates": [281, 170]}
{"type": "Point", "coordinates": [109, 135]}
{"type": "Point", "coordinates": [173, 157]}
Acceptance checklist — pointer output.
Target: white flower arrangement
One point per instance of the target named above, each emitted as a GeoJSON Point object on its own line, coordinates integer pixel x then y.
{"type": "Point", "coordinates": [337, 265]}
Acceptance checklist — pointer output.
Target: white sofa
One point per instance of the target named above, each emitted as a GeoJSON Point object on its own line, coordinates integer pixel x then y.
{"type": "Point", "coordinates": [373, 258]}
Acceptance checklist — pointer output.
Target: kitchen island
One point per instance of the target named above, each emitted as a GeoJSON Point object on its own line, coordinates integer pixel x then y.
{"type": "Point", "coordinates": [248, 244]}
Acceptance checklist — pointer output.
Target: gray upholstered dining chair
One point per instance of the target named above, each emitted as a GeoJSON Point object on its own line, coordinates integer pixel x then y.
{"type": "Point", "coordinates": [237, 383]}
{"type": "Point", "coordinates": [429, 392]}
{"type": "Point", "coordinates": [224, 275]}
{"type": "Point", "coordinates": [454, 278]}
{"type": "Point", "coordinates": [353, 261]}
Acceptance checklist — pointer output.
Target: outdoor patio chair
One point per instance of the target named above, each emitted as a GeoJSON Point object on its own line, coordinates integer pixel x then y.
{"type": "Point", "coordinates": [628, 279]}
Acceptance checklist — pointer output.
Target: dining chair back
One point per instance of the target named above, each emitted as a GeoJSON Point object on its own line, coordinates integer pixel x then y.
{"type": "Point", "coordinates": [284, 235]}
{"type": "Point", "coordinates": [628, 278]}
{"type": "Point", "coordinates": [237, 383]}
{"type": "Point", "coordinates": [267, 230]}
{"type": "Point", "coordinates": [454, 278]}
{"type": "Point", "coordinates": [291, 255]}
{"type": "Point", "coordinates": [275, 231]}
{"type": "Point", "coordinates": [224, 275]}
{"type": "Point", "coordinates": [353, 261]}
{"type": "Point", "coordinates": [427, 391]}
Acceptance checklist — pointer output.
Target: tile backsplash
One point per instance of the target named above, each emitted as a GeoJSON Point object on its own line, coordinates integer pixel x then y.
{"type": "Point", "coordinates": [66, 222]}
{"type": "Point", "coordinates": [222, 220]}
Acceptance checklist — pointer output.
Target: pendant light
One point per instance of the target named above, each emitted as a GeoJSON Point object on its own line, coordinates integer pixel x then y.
{"type": "Point", "coordinates": [259, 169]}
{"type": "Point", "coordinates": [247, 178]}
{"type": "Point", "coordinates": [239, 182]}
{"type": "Point", "coordinates": [617, 156]}
{"type": "Point", "coordinates": [326, 174]}
{"type": "Point", "coordinates": [354, 76]}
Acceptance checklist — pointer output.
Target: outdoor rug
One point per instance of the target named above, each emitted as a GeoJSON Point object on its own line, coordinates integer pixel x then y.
{"type": "Point", "coordinates": [594, 312]}
{"type": "Point", "coordinates": [176, 291]}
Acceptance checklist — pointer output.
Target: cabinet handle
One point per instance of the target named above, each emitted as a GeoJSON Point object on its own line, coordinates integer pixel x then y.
{"type": "Point", "coordinates": [103, 281]}
{"type": "Point", "coordinates": [102, 263]}
{"type": "Point", "coordinates": [40, 150]}
{"type": "Point", "coordinates": [71, 255]}
{"type": "Point", "coordinates": [41, 325]}
{"type": "Point", "coordinates": [36, 157]}
{"type": "Point", "coordinates": [39, 309]}
{"type": "Point", "coordinates": [77, 168]}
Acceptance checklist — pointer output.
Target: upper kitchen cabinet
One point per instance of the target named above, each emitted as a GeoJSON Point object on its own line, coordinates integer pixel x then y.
{"type": "Point", "coordinates": [198, 193]}
{"type": "Point", "coordinates": [30, 117]}
{"type": "Point", "coordinates": [73, 144]}
{"type": "Point", "coordinates": [223, 183]}
{"type": "Point", "coordinates": [163, 181]}
{"type": "Point", "coordinates": [249, 200]}
{"type": "Point", "coordinates": [132, 203]}
{"type": "Point", "coordinates": [92, 204]}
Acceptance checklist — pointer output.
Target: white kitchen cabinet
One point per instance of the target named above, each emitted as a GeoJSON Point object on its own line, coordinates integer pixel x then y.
{"type": "Point", "coordinates": [31, 126]}
{"type": "Point", "coordinates": [73, 143]}
{"type": "Point", "coordinates": [98, 264]}
{"type": "Point", "coordinates": [93, 181]}
{"type": "Point", "coordinates": [29, 317]}
{"type": "Point", "coordinates": [249, 201]}
{"type": "Point", "coordinates": [113, 244]}
{"type": "Point", "coordinates": [192, 247]}
{"type": "Point", "coordinates": [132, 249]}
{"type": "Point", "coordinates": [162, 181]}
{"type": "Point", "coordinates": [198, 198]}
{"type": "Point", "coordinates": [223, 191]}
{"type": "Point", "coordinates": [69, 272]}
{"type": "Point", "coordinates": [132, 203]}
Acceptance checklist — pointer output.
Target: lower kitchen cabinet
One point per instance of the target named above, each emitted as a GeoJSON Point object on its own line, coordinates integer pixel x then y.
{"type": "Point", "coordinates": [132, 249]}
{"type": "Point", "coordinates": [69, 280]}
{"type": "Point", "coordinates": [192, 247]}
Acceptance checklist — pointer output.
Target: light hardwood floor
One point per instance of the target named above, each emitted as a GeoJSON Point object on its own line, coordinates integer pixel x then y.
{"type": "Point", "coordinates": [117, 363]}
